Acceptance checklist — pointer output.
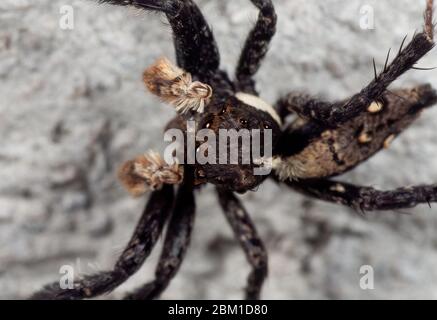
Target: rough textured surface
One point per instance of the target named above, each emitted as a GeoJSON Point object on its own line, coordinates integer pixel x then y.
{"type": "Point", "coordinates": [73, 107]}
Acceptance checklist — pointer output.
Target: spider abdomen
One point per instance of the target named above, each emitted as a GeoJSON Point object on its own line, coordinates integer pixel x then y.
{"type": "Point", "coordinates": [308, 151]}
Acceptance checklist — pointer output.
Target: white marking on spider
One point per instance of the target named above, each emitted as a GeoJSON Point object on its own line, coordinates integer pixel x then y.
{"type": "Point", "coordinates": [375, 107]}
{"type": "Point", "coordinates": [259, 104]}
{"type": "Point", "coordinates": [364, 138]}
{"type": "Point", "coordinates": [388, 141]}
{"type": "Point", "coordinates": [338, 188]}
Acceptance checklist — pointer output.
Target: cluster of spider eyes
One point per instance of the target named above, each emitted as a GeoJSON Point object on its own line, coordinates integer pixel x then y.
{"type": "Point", "coordinates": [242, 121]}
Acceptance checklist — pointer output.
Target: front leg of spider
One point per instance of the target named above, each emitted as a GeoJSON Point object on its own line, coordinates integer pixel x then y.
{"type": "Point", "coordinates": [194, 43]}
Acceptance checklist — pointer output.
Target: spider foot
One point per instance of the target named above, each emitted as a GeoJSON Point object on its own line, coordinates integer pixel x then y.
{"type": "Point", "coordinates": [149, 172]}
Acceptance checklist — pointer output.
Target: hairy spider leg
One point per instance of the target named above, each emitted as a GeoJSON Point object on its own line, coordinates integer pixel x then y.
{"type": "Point", "coordinates": [256, 46]}
{"type": "Point", "coordinates": [145, 236]}
{"type": "Point", "coordinates": [176, 243]}
{"type": "Point", "coordinates": [365, 198]}
{"type": "Point", "coordinates": [196, 49]}
{"type": "Point", "coordinates": [246, 233]}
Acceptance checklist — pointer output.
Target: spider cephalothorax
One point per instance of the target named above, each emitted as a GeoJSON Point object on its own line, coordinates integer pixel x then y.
{"type": "Point", "coordinates": [326, 139]}
{"type": "Point", "coordinates": [234, 114]}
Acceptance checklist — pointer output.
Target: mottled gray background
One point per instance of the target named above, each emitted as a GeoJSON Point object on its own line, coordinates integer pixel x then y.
{"type": "Point", "coordinates": [72, 108]}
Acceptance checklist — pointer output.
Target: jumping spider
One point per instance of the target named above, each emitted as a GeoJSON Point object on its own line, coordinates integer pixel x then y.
{"type": "Point", "coordinates": [326, 140]}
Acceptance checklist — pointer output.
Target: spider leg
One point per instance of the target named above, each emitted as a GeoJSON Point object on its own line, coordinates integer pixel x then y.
{"type": "Point", "coordinates": [138, 249]}
{"type": "Point", "coordinates": [175, 247]}
{"type": "Point", "coordinates": [365, 198]}
{"type": "Point", "coordinates": [256, 46]}
{"type": "Point", "coordinates": [249, 239]}
{"type": "Point", "coordinates": [196, 49]}
{"type": "Point", "coordinates": [331, 115]}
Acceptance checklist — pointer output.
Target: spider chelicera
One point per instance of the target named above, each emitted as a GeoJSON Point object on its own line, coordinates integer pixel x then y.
{"type": "Point", "coordinates": [326, 140]}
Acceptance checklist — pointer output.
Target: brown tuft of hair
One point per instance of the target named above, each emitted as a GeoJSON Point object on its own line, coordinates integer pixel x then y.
{"type": "Point", "coordinates": [176, 87]}
{"type": "Point", "coordinates": [148, 172]}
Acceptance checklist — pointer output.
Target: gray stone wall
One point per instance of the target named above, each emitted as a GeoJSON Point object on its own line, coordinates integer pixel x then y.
{"type": "Point", "coordinates": [72, 108]}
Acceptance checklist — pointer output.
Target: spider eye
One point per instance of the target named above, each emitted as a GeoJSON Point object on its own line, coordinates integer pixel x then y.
{"type": "Point", "coordinates": [243, 121]}
{"type": "Point", "coordinates": [208, 125]}
{"type": "Point", "coordinates": [266, 126]}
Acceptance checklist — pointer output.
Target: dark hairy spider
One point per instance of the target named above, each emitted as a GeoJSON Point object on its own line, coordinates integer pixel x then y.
{"type": "Point", "coordinates": [326, 140]}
